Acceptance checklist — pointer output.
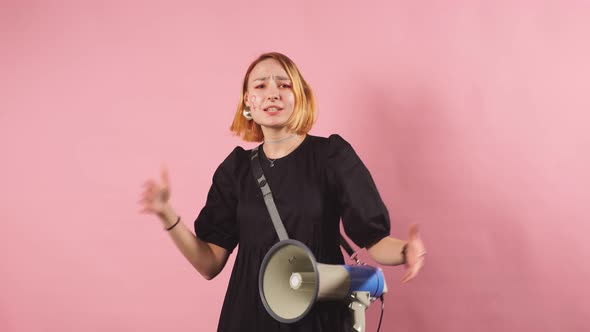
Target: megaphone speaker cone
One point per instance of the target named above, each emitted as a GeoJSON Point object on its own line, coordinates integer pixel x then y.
{"type": "Point", "coordinates": [284, 302]}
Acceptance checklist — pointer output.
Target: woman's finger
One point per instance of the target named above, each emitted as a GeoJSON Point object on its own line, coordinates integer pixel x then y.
{"type": "Point", "coordinates": [145, 200]}
{"type": "Point", "coordinates": [409, 275]}
{"type": "Point", "coordinates": [414, 232]}
{"type": "Point", "coordinates": [164, 176]}
{"type": "Point", "coordinates": [151, 190]}
{"type": "Point", "coordinates": [146, 210]}
{"type": "Point", "coordinates": [149, 183]}
{"type": "Point", "coordinates": [148, 194]}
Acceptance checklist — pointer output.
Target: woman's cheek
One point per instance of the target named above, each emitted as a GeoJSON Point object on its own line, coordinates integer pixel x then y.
{"type": "Point", "coordinates": [254, 101]}
{"type": "Point", "coordinates": [290, 99]}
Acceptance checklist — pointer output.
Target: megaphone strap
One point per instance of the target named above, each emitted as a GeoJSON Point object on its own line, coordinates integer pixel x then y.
{"type": "Point", "coordinates": [344, 244]}
{"type": "Point", "coordinates": [267, 194]}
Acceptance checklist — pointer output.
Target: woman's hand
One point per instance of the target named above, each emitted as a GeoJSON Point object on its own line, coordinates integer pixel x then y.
{"type": "Point", "coordinates": [415, 254]}
{"type": "Point", "coordinates": [155, 196]}
{"type": "Point", "coordinates": [207, 258]}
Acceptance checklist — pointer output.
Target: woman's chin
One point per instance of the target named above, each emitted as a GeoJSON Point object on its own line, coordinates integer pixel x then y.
{"type": "Point", "coordinates": [273, 123]}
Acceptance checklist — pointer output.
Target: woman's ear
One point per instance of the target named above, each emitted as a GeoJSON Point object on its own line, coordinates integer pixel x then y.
{"type": "Point", "coordinates": [246, 101]}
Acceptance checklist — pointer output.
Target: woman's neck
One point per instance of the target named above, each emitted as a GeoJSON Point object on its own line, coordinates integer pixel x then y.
{"type": "Point", "coordinates": [279, 143]}
{"type": "Point", "coordinates": [275, 134]}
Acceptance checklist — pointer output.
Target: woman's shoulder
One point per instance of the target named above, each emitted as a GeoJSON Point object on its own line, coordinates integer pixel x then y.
{"type": "Point", "coordinates": [234, 160]}
{"type": "Point", "coordinates": [332, 143]}
{"type": "Point", "coordinates": [239, 154]}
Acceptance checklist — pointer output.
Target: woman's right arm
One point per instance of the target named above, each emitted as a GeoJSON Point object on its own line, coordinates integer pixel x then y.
{"type": "Point", "coordinates": [207, 258]}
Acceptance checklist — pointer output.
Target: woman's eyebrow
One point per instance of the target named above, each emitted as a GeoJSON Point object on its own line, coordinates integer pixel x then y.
{"type": "Point", "coordinates": [279, 78]}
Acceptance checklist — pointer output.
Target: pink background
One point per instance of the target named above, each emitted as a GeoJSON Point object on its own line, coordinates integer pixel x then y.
{"type": "Point", "coordinates": [471, 115]}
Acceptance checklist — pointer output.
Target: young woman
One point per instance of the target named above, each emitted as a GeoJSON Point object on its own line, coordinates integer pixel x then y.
{"type": "Point", "coordinates": [316, 182]}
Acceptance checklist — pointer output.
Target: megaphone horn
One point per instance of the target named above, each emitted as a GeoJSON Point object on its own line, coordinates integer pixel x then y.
{"type": "Point", "coordinates": [291, 281]}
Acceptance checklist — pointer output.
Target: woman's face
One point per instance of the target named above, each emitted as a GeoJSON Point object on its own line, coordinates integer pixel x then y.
{"type": "Point", "coordinates": [270, 94]}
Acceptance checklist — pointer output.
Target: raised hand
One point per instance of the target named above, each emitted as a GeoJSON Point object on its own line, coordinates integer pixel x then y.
{"type": "Point", "coordinates": [155, 196]}
{"type": "Point", "coordinates": [415, 253]}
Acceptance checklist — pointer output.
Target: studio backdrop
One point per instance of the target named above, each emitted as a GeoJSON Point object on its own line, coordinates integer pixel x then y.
{"type": "Point", "coordinates": [472, 117]}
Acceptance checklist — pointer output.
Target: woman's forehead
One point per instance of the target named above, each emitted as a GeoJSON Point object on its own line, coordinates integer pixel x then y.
{"type": "Point", "coordinates": [267, 69]}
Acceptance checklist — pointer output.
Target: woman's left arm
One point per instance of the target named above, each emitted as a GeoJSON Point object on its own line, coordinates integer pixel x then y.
{"type": "Point", "coordinates": [392, 251]}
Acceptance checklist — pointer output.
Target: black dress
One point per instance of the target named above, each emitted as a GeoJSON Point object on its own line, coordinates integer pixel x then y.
{"type": "Point", "coordinates": [320, 182]}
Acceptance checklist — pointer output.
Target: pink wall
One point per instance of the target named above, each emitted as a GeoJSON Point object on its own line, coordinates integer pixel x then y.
{"type": "Point", "coordinates": [472, 116]}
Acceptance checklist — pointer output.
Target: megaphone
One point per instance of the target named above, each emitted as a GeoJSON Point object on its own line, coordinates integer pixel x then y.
{"type": "Point", "coordinates": [291, 281]}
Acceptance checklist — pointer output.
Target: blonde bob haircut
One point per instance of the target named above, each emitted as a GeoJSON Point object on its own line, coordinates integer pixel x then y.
{"type": "Point", "coordinates": [303, 115]}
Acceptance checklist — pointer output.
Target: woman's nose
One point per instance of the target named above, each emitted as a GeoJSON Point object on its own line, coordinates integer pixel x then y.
{"type": "Point", "coordinates": [273, 93]}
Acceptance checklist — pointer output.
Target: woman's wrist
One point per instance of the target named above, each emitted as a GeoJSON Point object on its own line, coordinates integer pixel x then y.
{"type": "Point", "coordinates": [168, 216]}
{"type": "Point", "coordinates": [173, 225]}
{"type": "Point", "coordinates": [404, 253]}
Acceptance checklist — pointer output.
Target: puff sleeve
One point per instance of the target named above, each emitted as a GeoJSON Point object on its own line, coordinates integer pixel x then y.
{"type": "Point", "coordinates": [216, 222]}
{"type": "Point", "coordinates": [364, 215]}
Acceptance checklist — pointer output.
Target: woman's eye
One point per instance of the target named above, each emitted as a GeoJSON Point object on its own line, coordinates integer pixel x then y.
{"type": "Point", "coordinates": [285, 86]}
{"type": "Point", "coordinates": [259, 86]}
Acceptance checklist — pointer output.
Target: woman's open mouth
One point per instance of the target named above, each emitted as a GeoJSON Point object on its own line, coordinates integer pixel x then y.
{"type": "Point", "coordinates": [273, 110]}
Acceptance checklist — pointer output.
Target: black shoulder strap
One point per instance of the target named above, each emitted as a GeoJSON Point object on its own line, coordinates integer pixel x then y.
{"type": "Point", "coordinates": [272, 208]}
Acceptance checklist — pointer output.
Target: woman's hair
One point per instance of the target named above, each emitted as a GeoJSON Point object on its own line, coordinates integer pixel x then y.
{"type": "Point", "coordinates": [303, 115]}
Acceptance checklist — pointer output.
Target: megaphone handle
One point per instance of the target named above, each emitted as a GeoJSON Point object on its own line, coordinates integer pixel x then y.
{"type": "Point", "coordinates": [360, 302]}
